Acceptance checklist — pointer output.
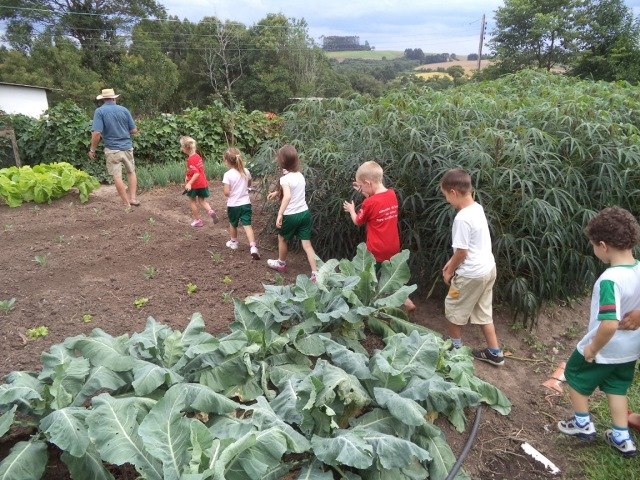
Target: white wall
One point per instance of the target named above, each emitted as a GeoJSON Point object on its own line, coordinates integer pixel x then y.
{"type": "Point", "coordinates": [26, 100]}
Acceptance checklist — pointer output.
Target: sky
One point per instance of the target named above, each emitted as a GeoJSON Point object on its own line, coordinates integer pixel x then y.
{"type": "Point", "coordinates": [435, 26]}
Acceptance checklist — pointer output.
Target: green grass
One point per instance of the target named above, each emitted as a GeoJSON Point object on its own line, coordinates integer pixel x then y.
{"type": "Point", "coordinates": [600, 461]}
{"type": "Point", "coordinates": [366, 54]}
{"type": "Point", "coordinates": [172, 172]}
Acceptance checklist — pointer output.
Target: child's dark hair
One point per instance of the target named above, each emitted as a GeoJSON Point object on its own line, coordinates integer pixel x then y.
{"type": "Point", "coordinates": [456, 179]}
{"type": "Point", "coordinates": [288, 158]}
{"type": "Point", "coordinates": [233, 157]}
{"type": "Point", "coordinates": [614, 226]}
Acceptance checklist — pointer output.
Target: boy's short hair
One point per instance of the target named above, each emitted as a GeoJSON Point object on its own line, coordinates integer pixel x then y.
{"type": "Point", "coordinates": [614, 226]}
{"type": "Point", "coordinates": [456, 179]}
{"type": "Point", "coordinates": [288, 158]}
{"type": "Point", "coordinates": [371, 171]}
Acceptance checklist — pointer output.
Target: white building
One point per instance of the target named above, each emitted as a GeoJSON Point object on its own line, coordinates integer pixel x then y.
{"type": "Point", "coordinates": [25, 99]}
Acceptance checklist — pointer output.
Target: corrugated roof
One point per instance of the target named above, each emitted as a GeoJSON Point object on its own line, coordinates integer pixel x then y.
{"type": "Point", "coordinates": [28, 86]}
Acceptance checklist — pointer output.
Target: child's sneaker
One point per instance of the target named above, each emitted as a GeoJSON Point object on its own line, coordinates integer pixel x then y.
{"type": "Point", "coordinates": [197, 223]}
{"type": "Point", "coordinates": [254, 253]}
{"type": "Point", "coordinates": [626, 448]}
{"type": "Point", "coordinates": [486, 356]}
{"type": "Point", "coordinates": [277, 265]}
{"type": "Point", "coordinates": [571, 427]}
{"type": "Point", "coordinates": [213, 215]}
{"type": "Point", "coordinates": [232, 244]}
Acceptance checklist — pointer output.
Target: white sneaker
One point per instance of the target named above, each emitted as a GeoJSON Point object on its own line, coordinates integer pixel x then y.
{"type": "Point", "coordinates": [254, 253]}
{"type": "Point", "coordinates": [232, 244]}
{"type": "Point", "coordinates": [277, 265]}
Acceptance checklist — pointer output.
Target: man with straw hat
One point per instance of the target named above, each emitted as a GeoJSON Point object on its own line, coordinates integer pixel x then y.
{"type": "Point", "coordinates": [114, 124]}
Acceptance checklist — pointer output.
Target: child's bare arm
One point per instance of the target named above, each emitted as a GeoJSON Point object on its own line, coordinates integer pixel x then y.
{"type": "Point", "coordinates": [631, 321]}
{"type": "Point", "coordinates": [187, 186]}
{"type": "Point", "coordinates": [605, 331]}
{"type": "Point", "coordinates": [452, 265]}
{"type": "Point", "coordinates": [225, 189]}
{"type": "Point", "coordinates": [351, 209]}
{"type": "Point", "coordinates": [286, 198]}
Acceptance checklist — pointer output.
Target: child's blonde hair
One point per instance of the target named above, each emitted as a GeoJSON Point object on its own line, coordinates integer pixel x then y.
{"type": "Point", "coordinates": [188, 143]}
{"type": "Point", "coordinates": [233, 157]}
{"type": "Point", "coordinates": [371, 171]}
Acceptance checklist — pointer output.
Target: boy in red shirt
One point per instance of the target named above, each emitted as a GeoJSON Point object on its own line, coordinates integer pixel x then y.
{"type": "Point", "coordinates": [379, 213]}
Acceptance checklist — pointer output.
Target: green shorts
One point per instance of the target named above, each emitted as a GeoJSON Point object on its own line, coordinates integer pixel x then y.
{"type": "Point", "coordinates": [198, 192]}
{"type": "Point", "coordinates": [241, 213]}
{"type": "Point", "coordinates": [296, 224]}
{"type": "Point", "coordinates": [585, 377]}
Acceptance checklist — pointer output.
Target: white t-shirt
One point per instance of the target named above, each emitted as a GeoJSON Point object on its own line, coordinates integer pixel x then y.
{"type": "Point", "coordinates": [297, 184]}
{"type": "Point", "coordinates": [616, 292]}
{"type": "Point", "coordinates": [238, 187]}
{"type": "Point", "coordinates": [471, 233]}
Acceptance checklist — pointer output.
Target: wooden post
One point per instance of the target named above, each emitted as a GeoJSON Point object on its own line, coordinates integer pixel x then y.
{"type": "Point", "coordinates": [481, 42]}
{"type": "Point", "coordinates": [9, 133]}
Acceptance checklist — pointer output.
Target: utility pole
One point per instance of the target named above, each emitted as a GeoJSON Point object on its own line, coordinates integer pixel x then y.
{"type": "Point", "coordinates": [481, 41]}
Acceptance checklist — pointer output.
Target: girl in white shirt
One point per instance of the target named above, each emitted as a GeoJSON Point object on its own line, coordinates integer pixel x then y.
{"type": "Point", "coordinates": [235, 186]}
{"type": "Point", "coordinates": [294, 218]}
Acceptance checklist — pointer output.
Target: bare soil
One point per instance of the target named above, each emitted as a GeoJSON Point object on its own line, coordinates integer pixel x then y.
{"type": "Point", "coordinates": [65, 261]}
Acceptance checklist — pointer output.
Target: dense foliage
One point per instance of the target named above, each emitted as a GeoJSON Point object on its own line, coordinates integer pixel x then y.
{"type": "Point", "coordinates": [290, 388]}
{"type": "Point", "coordinates": [545, 152]}
{"type": "Point", "coordinates": [63, 135]}
{"type": "Point", "coordinates": [43, 183]}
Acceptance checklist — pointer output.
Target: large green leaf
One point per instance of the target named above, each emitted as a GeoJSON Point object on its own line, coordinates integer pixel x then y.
{"type": "Point", "coordinates": [165, 432]}
{"type": "Point", "coordinates": [6, 420]}
{"type": "Point", "coordinates": [394, 274]}
{"type": "Point", "coordinates": [391, 451]}
{"type": "Point", "coordinates": [100, 379]}
{"type": "Point", "coordinates": [21, 388]}
{"type": "Point", "coordinates": [403, 409]}
{"type": "Point", "coordinates": [313, 471]}
{"type": "Point", "coordinates": [102, 349]}
{"type": "Point", "coordinates": [356, 364]}
{"type": "Point", "coordinates": [68, 381]}
{"type": "Point", "coordinates": [87, 466]}
{"type": "Point", "coordinates": [204, 399]}
{"type": "Point", "coordinates": [57, 355]}
{"type": "Point", "coordinates": [27, 461]}
{"type": "Point", "coordinates": [111, 418]}
{"type": "Point", "coordinates": [67, 429]}
{"type": "Point", "coordinates": [264, 417]}
{"type": "Point", "coordinates": [149, 376]}
{"type": "Point", "coordinates": [346, 447]}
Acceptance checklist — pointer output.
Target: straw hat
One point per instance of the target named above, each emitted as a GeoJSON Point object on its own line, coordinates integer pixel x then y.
{"type": "Point", "coordinates": [107, 93]}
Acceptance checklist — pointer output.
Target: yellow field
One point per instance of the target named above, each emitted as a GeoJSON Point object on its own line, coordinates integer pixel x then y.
{"type": "Point", "coordinates": [469, 66]}
{"type": "Point", "coordinates": [427, 75]}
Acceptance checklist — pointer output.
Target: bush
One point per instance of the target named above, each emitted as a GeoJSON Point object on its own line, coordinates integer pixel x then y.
{"type": "Point", "coordinates": [545, 153]}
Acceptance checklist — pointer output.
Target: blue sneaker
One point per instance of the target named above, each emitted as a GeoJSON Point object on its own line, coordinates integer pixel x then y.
{"type": "Point", "coordinates": [626, 448]}
{"type": "Point", "coordinates": [570, 427]}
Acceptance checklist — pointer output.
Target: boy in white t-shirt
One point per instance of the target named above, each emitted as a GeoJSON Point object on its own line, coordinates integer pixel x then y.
{"type": "Point", "coordinates": [471, 270]}
{"type": "Point", "coordinates": [606, 356]}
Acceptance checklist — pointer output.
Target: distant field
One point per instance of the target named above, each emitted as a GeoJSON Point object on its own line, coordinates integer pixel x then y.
{"type": "Point", "coordinates": [469, 66]}
{"type": "Point", "coordinates": [427, 75]}
{"type": "Point", "coordinates": [366, 54]}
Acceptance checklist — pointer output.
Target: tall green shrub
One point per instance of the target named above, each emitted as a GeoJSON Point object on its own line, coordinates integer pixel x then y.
{"type": "Point", "coordinates": [545, 153]}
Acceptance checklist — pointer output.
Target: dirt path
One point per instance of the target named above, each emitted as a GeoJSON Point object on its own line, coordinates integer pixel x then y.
{"type": "Point", "coordinates": [67, 261]}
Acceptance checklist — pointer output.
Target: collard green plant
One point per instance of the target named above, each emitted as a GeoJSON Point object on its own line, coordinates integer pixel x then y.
{"type": "Point", "coordinates": [289, 387]}
{"type": "Point", "coordinates": [545, 153]}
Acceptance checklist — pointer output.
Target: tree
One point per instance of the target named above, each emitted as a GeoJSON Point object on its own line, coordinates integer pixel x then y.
{"type": "Point", "coordinates": [607, 42]}
{"type": "Point", "coordinates": [93, 23]}
{"type": "Point", "coordinates": [533, 33]}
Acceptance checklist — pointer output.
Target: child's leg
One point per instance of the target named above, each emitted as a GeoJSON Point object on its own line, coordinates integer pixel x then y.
{"type": "Point", "coordinates": [618, 406]}
{"type": "Point", "coordinates": [283, 249]}
{"type": "Point", "coordinates": [193, 204]}
{"type": "Point", "coordinates": [248, 229]}
{"type": "Point", "coordinates": [489, 332]}
{"type": "Point", "coordinates": [311, 254]}
{"type": "Point", "coordinates": [204, 204]}
{"type": "Point", "coordinates": [233, 232]}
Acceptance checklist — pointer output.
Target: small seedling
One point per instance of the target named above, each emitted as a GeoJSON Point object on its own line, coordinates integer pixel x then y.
{"type": "Point", "coordinates": [8, 227]}
{"type": "Point", "coordinates": [152, 221]}
{"type": "Point", "coordinates": [227, 280]}
{"type": "Point", "coordinates": [227, 297]}
{"type": "Point", "coordinates": [61, 239]}
{"type": "Point", "coordinates": [86, 318]}
{"type": "Point", "coordinates": [216, 257]}
{"type": "Point", "coordinates": [187, 235]}
{"type": "Point", "coordinates": [149, 272]}
{"type": "Point", "coordinates": [191, 288]}
{"type": "Point", "coordinates": [36, 209]}
{"type": "Point", "coordinates": [105, 233]}
{"type": "Point", "coordinates": [7, 305]}
{"type": "Point", "coordinates": [37, 332]}
{"type": "Point", "coordinates": [278, 279]}
{"type": "Point", "coordinates": [40, 260]}
{"type": "Point", "coordinates": [145, 237]}
{"type": "Point", "coordinates": [140, 302]}
{"type": "Point", "coordinates": [97, 212]}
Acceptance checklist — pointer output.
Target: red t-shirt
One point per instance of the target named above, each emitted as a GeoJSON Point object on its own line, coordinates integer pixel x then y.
{"type": "Point", "coordinates": [380, 214]}
{"type": "Point", "coordinates": [196, 165]}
